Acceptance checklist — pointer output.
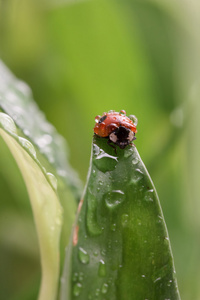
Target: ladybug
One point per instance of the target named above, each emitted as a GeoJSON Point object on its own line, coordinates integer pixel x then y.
{"type": "Point", "coordinates": [117, 127]}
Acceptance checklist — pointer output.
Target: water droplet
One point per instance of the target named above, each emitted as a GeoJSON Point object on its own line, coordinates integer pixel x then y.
{"type": "Point", "coordinates": [139, 171]}
{"type": "Point", "coordinates": [135, 160]}
{"type": "Point", "coordinates": [104, 288]}
{"type": "Point", "coordinates": [52, 180]}
{"type": "Point", "coordinates": [81, 276]}
{"type": "Point", "coordinates": [125, 218]}
{"type": "Point", "coordinates": [97, 118]}
{"type": "Point", "coordinates": [157, 279]}
{"type": "Point", "coordinates": [97, 292]}
{"type": "Point", "coordinates": [75, 277]}
{"type": "Point", "coordinates": [77, 289]}
{"type": "Point", "coordinates": [8, 123]}
{"type": "Point", "coordinates": [28, 146]}
{"type": "Point", "coordinates": [102, 269]}
{"type": "Point", "coordinates": [114, 198]}
{"type": "Point", "coordinates": [169, 283]}
{"type": "Point", "coordinates": [103, 252]}
{"type": "Point", "coordinates": [44, 140]}
{"type": "Point", "coordinates": [149, 196]}
{"type": "Point", "coordinates": [134, 119]}
{"type": "Point", "coordinates": [94, 173]}
{"type": "Point", "coordinates": [122, 112]}
{"type": "Point", "coordinates": [113, 227]}
{"type": "Point", "coordinates": [137, 176]}
{"type": "Point", "coordinates": [92, 224]}
{"type": "Point", "coordinates": [128, 152]}
{"type": "Point", "coordinates": [103, 161]}
{"type": "Point", "coordinates": [143, 276]}
{"type": "Point", "coordinates": [95, 253]}
{"type": "Point", "coordinates": [83, 256]}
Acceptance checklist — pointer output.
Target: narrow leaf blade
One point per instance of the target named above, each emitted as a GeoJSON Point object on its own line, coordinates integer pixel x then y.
{"type": "Point", "coordinates": [47, 210]}
{"type": "Point", "coordinates": [120, 248]}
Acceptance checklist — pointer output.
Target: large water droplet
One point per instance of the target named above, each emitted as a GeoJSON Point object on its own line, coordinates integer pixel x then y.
{"type": "Point", "coordinates": [28, 146]}
{"type": "Point", "coordinates": [92, 224]}
{"type": "Point", "coordinates": [77, 289]}
{"type": "Point", "coordinates": [102, 268]}
{"type": "Point", "coordinates": [83, 256]}
{"type": "Point", "coordinates": [52, 180]}
{"type": "Point", "coordinates": [103, 161]}
{"type": "Point", "coordinates": [7, 123]}
{"type": "Point", "coordinates": [114, 198]}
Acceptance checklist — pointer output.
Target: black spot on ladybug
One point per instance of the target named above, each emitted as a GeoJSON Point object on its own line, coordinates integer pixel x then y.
{"type": "Point", "coordinates": [102, 119]}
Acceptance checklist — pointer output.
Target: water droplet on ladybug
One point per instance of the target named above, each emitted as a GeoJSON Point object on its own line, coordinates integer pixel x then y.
{"type": "Point", "coordinates": [122, 112]}
{"type": "Point", "coordinates": [97, 118]}
{"type": "Point", "coordinates": [134, 119]}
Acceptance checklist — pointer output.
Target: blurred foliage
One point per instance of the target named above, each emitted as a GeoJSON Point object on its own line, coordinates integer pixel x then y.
{"type": "Point", "coordinates": [82, 58]}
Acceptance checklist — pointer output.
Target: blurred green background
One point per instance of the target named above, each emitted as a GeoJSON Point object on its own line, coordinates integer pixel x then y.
{"type": "Point", "coordinates": [82, 58]}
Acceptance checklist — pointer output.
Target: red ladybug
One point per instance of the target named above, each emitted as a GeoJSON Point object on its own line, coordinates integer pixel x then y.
{"type": "Point", "coordinates": [117, 127]}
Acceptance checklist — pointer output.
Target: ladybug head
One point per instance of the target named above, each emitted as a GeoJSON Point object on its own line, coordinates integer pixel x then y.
{"type": "Point", "coordinates": [122, 136]}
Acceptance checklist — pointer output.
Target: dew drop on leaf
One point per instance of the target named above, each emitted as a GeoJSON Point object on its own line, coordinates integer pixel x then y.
{"type": "Point", "coordinates": [77, 289]}
{"type": "Point", "coordinates": [135, 160]}
{"type": "Point", "coordinates": [97, 292]}
{"type": "Point", "coordinates": [102, 268]}
{"type": "Point", "coordinates": [104, 161]}
{"type": "Point", "coordinates": [83, 256]}
{"type": "Point", "coordinates": [124, 219]}
{"type": "Point", "coordinates": [52, 180]}
{"type": "Point", "coordinates": [113, 227]}
{"type": "Point", "coordinates": [7, 123]}
{"type": "Point", "coordinates": [114, 198]}
{"type": "Point", "coordinates": [28, 146]}
{"type": "Point", "coordinates": [149, 196]}
{"type": "Point", "coordinates": [104, 288]}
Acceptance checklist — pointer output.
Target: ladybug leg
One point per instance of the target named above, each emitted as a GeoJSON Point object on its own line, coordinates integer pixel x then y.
{"type": "Point", "coordinates": [109, 142]}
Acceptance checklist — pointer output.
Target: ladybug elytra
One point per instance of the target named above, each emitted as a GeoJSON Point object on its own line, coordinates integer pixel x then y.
{"type": "Point", "coordinates": [117, 127]}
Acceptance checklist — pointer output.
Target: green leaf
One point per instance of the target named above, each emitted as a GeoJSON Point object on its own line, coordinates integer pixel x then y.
{"type": "Point", "coordinates": [47, 210]}
{"type": "Point", "coordinates": [20, 118]}
{"type": "Point", "coordinates": [120, 247]}
{"type": "Point", "coordinates": [16, 100]}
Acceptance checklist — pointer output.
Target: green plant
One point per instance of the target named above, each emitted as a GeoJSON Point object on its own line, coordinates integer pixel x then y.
{"type": "Point", "coordinates": [120, 247]}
